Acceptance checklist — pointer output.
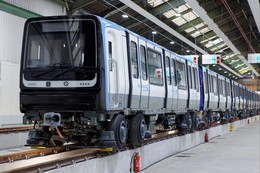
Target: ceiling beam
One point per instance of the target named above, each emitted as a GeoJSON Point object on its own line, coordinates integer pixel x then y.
{"type": "Point", "coordinates": [158, 22]}
{"type": "Point", "coordinates": [255, 8]}
{"type": "Point", "coordinates": [203, 15]}
{"type": "Point", "coordinates": [76, 5]}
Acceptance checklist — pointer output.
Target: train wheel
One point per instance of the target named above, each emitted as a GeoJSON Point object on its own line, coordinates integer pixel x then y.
{"type": "Point", "coordinates": [137, 131]}
{"type": "Point", "coordinates": [119, 127]}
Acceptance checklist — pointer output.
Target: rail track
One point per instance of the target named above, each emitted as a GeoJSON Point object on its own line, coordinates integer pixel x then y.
{"type": "Point", "coordinates": [15, 129]}
{"type": "Point", "coordinates": [42, 159]}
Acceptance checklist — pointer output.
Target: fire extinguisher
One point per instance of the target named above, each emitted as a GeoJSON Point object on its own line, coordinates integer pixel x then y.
{"type": "Point", "coordinates": [136, 162]}
{"type": "Point", "coordinates": [206, 137]}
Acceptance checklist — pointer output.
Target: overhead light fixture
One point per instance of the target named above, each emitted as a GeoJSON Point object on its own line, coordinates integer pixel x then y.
{"type": "Point", "coordinates": [125, 16]}
{"type": "Point", "coordinates": [210, 42]}
{"type": "Point", "coordinates": [225, 72]}
{"type": "Point", "coordinates": [188, 50]}
{"type": "Point", "coordinates": [154, 32]}
{"type": "Point", "coordinates": [172, 42]}
{"type": "Point", "coordinates": [229, 74]}
{"type": "Point", "coordinates": [220, 69]}
{"type": "Point", "coordinates": [177, 14]}
{"type": "Point", "coordinates": [214, 65]}
{"type": "Point", "coordinates": [197, 32]}
{"type": "Point", "coordinates": [236, 77]}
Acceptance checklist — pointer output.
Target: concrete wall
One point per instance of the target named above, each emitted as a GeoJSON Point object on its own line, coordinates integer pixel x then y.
{"type": "Point", "coordinates": [11, 32]}
{"type": "Point", "coordinates": [152, 153]}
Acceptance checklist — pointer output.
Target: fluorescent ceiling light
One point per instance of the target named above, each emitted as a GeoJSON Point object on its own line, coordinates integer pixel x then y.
{"type": "Point", "coordinates": [125, 16]}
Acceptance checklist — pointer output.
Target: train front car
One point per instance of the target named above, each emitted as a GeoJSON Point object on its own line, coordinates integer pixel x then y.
{"type": "Point", "coordinates": [60, 79]}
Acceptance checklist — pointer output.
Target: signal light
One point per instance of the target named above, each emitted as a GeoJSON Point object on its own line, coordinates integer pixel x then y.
{"type": "Point", "coordinates": [195, 59]}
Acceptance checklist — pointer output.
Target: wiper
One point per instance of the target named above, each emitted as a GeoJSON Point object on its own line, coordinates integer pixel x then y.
{"type": "Point", "coordinates": [38, 75]}
{"type": "Point", "coordinates": [55, 66]}
{"type": "Point", "coordinates": [65, 71]}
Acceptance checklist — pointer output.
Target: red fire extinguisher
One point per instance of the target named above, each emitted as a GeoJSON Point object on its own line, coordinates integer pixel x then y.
{"type": "Point", "coordinates": [206, 137]}
{"type": "Point", "coordinates": [136, 162]}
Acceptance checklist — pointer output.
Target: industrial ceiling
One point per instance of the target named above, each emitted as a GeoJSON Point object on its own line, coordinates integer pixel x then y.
{"type": "Point", "coordinates": [189, 27]}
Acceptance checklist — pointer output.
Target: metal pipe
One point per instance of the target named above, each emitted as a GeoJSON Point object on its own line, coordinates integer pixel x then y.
{"type": "Point", "coordinates": [238, 25]}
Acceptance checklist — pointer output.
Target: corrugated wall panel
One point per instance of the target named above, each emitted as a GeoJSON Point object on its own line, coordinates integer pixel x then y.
{"type": "Point", "coordinates": [11, 31]}
{"type": "Point", "coordinates": [42, 7]}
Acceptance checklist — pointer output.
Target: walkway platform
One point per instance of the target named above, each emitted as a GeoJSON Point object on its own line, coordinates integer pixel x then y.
{"type": "Point", "coordinates": [234, 152]}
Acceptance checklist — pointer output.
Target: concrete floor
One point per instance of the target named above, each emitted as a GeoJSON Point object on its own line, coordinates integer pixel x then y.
{"type": "Point", "coordinates": [235, 152]}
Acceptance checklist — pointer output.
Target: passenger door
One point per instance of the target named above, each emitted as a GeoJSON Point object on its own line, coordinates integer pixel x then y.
{"type": "Point", "coordinates": [144, 75]}
{"type": "Point", "coordinates": [134, 72]}
{"type": "Point", "coordinates": [112, 55]}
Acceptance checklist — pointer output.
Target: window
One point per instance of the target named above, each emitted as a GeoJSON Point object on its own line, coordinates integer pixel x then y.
{"type": "Point", "coordinates": [224, 88]}
{"type": "Point", "coordinates": [196, 78]}
{"type": "Point", "coordinates": [155, 67]}
{"type": "Point", "coordinates": [205, 83]}
{"type": "Point", "coordinates": [168, 70]}
{"type": "Point", "coordinates": [191, 79]}
{"type": "Point", "coordinates": [134, 62]}
{"type": "Point", "coordinates": [210, 83]}
{"type": "Point", "coordinates": [220, 88]}
{"type": "Point", "coordinates": [181, 75]}
{"type": "Point", "coordinates": [110, 54]}
{"type": "Point", "coordinates": [173, 73]}
{"type": "Point", "coordinates": [215, 85]}
{"type": "Point", "coordinates": [143, 62]}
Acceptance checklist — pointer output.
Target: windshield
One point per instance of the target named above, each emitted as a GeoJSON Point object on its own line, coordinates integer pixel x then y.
{"type": "Point", "coordinates": [63, 43]}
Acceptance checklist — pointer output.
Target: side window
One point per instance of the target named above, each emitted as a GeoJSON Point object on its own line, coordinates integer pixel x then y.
{"type": "Point", "coordinates": [134, 62]}
{"type": "Point", "coordinates": [155, 67]}
{"type": "Point", "coordinates": [181, 75]}
{"type": "Point", "coordinates": [143, 61]}
{"type": "Point", "coordinates": [168, 70]}
{"type": "Point", "coordinates": [173, 73]}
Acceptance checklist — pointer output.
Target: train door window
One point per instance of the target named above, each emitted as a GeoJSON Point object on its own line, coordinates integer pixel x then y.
{"type": "Point", "coordinates": [224, 88]}
{"type": "Point", "coordinates": [181, 75]}
{"type": "Point", "coordinates": [155, 67]}
{"type": "Point", "coordinates": [194, 78]}
{"type": "Point", "coordinates": [197, 79]}
{"type": "Point", "coordinates": [210, 84]}
{"type": "Point", "coordinates": [191, 79]}
{"type": "Point", "coordinates": [110, 54]}
{"type": "Point", "coordinates": [227, 88]}
{"type": "Point", "coordinates": [219, 84]}
{"type": "Point", "coordinates": [168, 70]}
{"type": "Point", "coordinates": [205, 82]}
{"type": "Point", "coordinates": [215, 85]}
{"type": "Point", "coordinates": [143, 61]}
{"type": "Point", "coordinates": [173, 79]}
{"type": "Point", "coordinates": [134, 62]}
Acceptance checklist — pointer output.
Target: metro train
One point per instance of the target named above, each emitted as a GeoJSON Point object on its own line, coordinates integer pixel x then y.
{"type": "Point", "coordinates": [87, 80]}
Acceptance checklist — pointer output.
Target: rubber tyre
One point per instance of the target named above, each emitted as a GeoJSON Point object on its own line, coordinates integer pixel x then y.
{"type": "Point", "coordinates": [137, 131]}
{"type": "Point", "coordinates": [118, 122]}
